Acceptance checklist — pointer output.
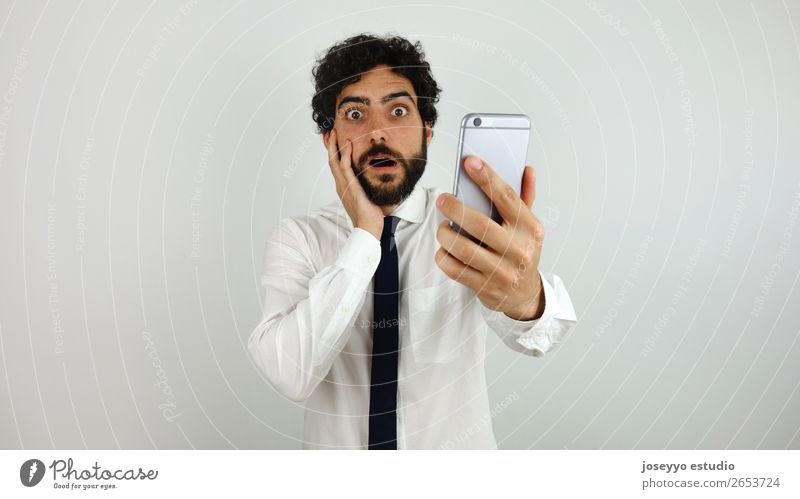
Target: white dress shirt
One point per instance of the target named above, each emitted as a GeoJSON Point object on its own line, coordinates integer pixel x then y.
{"type": "Point", "coordinates": [315, 339]}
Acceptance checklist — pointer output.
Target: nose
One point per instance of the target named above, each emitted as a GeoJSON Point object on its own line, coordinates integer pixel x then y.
{"type": "Point", "coordinates": [378, 129]}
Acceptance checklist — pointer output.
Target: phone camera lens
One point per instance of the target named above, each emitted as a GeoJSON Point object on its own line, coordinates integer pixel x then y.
{"type": "Point", "coordinates": [476, 122]}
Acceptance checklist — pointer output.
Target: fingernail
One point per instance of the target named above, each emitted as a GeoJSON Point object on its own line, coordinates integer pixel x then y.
{"type": "Point", "coordinates": [474, 163]}
{"type": "Point", "coordinates": [440, 200]}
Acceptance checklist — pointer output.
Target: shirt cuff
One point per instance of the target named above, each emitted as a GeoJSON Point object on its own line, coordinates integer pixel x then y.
{"type": "Point", "coordinates": [533, 335]}
{"type": "Point", "coordinates": [361, 254]}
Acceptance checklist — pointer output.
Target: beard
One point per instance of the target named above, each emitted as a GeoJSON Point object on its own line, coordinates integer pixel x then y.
{"type": "Point", "coordinates": [384, 193]}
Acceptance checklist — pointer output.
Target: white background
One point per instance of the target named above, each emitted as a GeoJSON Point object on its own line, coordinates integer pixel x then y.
{"type": "Point", "coordinates": [666, 143]}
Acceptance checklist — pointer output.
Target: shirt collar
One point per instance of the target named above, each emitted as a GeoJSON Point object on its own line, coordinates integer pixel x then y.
{"type": "Point", "coordinates": [412, 209]}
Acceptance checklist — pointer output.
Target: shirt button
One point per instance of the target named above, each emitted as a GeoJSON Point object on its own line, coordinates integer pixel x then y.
{"type": "Point", "coordinates": [372, 259]}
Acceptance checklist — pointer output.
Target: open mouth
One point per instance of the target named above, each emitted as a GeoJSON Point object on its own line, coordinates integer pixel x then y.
{"type": "Point", "coordinates": [382, 162]}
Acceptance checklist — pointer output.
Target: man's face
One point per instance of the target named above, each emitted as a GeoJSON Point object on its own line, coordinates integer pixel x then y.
{"type": "Point", "coordinates": [378, 113]}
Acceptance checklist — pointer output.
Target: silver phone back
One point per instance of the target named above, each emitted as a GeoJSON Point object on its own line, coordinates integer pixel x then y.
{"type": "Point", "coordinates": [501, 140]}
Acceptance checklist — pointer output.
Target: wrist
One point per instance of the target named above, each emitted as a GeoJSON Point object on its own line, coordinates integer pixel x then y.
{"type": "Point", "coordinates": [375, 231]}
{"type": "Point", "coordinates": [532, 310]}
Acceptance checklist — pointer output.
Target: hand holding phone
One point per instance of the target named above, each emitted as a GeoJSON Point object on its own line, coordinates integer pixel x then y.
{"type": "Point", "coordinates": [500, 140]}
{"type": "Point", "coordinates": [502, 267]}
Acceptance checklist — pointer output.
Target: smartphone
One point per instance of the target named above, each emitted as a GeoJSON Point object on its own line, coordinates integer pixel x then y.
{"type": "Point", "coordinates": [501, 140]}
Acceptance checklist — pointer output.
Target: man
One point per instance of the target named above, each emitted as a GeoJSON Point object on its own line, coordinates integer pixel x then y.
{"type": "Point", "coordinates": [376, 310]}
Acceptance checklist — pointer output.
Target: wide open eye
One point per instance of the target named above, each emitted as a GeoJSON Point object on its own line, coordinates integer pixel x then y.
{"type": "Point", "coordinates": [353, 114]}
{"type": "Point", "coordinates": [399, 111]}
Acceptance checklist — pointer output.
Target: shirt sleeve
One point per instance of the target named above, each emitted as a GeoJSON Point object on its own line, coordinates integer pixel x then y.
{"type": "Point", "coordinates": [536, 337]}
{"type": "Point", "coordinates": [307, 315]}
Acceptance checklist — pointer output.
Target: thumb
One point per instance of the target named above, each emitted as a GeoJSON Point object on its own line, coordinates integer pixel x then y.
{"type": "Point", "coordinates": [528, 191]}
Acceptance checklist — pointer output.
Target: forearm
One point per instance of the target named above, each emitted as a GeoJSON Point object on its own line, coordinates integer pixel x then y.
{"type": "Point", "coordinates": [297, 341]}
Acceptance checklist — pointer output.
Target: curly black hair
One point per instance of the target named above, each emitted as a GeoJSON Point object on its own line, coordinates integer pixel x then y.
{"type": "Point", "coordinates": [346, 61]}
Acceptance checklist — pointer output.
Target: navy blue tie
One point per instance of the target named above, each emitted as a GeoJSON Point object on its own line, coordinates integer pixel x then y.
{"type": "Point", "coordinates": [385, 343]}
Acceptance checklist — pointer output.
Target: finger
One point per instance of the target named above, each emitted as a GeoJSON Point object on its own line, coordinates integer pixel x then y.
{"type": "Point", "coordinates": [528, 191]}
{"type": "Point", "coordinates": [345, 169]}
{"type": "Point", "coordinates": [467, 251]}
{"type": "Point", "coordinates": [457, 271]}
{"type": "Point", "coordinates": [346, 159]}
{"type": "Point", "coordinates": [333, 147]}
{"type": "Point", "coordinates": [340, 159]}
{"type": "Point", "coordinates": [474, 222]}
{"type": "Point", "coordinates": [346, 162]}
{"type": "Point", "coordinates": [333, 160]}
{"type": "Point", "coordinates": [504, 197]}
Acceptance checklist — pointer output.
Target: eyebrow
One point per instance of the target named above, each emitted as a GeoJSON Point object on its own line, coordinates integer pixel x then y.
{"type": "Point", "coordinates": [365, 101]}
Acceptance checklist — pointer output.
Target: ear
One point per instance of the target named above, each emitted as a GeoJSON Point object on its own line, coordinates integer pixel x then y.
{"type": "Point", "coordinates": [325, 137]}
{"type": "Point", "coordinates": [428, 133]}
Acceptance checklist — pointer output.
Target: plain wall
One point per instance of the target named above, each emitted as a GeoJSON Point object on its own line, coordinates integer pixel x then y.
{"type": "Point", "coordinates": [147, 150]}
